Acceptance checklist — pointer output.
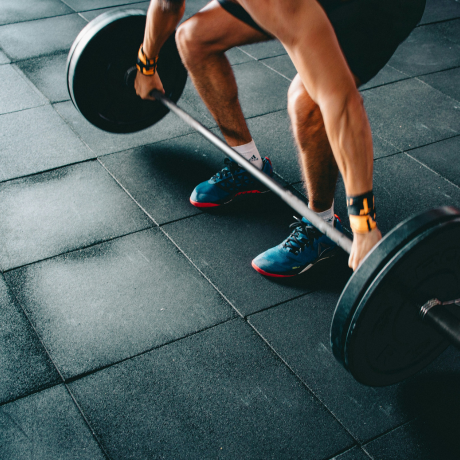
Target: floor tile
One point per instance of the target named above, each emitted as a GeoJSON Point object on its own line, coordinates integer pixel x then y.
{"type": "Point", "coordinates": [44, 36]}
{"type": "Point", "coordinates": [353, 454]}
{"type": "Point", "coordinates": [441, 157]}
{"type": "Point", "coordinates": [428, 49]}
{"type": "Point", "coordinates": [402, 187]}
{"type": "Point", "coordinates": [25, 365]}
{"type": "Point", "coordinates": [192, 7]}
{"type": "Point", "coordinates": [102, 142]}
{"type": "Point", "coordinates": [263, 50]}
{"type": "Point", "coordinates": [46, 425]}
{"type": "Point", "coordinates": [162, 176]}
{"type": "Point", "coordinates": [446, 82]}
{"type": "Point", "coordinates": [220, 394]}
{"type": "Point", "coordinates": [35, 140]}
{"type": "Point", "coordinates": [16, 93]}
{"type": "Point", "coordinates": [4, 58]}
{"type": "Point", "coordinates": [26, 10]}
{"type": "Point", "coordinates": [283, 65]}
{"type": "Point", "coordinates": [62, 210]}
{"type": "Point", "coordinates": [409, 114]}
{"type": "Point", "coordinates": [440, 10]}
{"type": "Point", "coordinates": [255, 82]}
{"type": "Point", "coordinates": [232, 237]}
{"type": "Point", "coordinates": [387, 75]}
{"type": "Point", "coordinates": [299, 332]}
{"type": "Point", "coordinates": [85, 5]}
{"type": "Point", "coordinates": [273, 137]}
{"type": "Point", "coordinates": [415, 440]}
{"type": "Point", "coordinates": [92, 14]}
{"type": "Point", "coordinates": [106, 303]}
{"type": "Point", "coordinates": [48, 74]}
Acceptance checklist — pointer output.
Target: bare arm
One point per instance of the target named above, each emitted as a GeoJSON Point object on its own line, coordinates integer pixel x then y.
{"type": "Point", "coordinates": [162, 19]}
{"type": "Point", "coordinates": [305, 31]}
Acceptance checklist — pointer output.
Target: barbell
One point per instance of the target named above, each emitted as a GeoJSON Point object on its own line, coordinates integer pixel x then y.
{"type": "Point", "coordinates": [398, 311]}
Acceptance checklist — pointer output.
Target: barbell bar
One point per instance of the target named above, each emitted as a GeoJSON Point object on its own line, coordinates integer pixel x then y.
{"type": "Point", "coordinates": [396, 313]}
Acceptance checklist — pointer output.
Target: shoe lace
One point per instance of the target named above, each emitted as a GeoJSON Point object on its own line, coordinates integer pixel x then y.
{"type": "Point", "coordinates": [230, 168]}
{"type": "Point", "coordinates": [303, 235]}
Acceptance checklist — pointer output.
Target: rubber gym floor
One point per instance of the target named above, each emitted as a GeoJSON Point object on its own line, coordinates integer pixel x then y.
{"type": "Point", "coordinates": [132, 325]}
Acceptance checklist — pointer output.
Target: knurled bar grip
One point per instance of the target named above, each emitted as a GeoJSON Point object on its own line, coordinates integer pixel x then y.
{"type": "Point", "coordinates": [294, 202]}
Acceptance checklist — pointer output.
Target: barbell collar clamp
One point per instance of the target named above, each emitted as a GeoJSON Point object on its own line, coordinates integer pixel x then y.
{"type": "Point", "coordinates": [298, 205]}
{"type": "Point", "coordinates": [445, 322]}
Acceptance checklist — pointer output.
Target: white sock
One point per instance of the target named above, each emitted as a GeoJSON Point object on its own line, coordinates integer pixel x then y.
{"type": "Point", "coordinates": [250, 152]}
{"type": "Point", "coordinates": [328, 215]}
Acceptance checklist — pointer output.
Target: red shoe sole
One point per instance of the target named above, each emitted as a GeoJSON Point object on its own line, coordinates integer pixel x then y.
{"type": "Point", "coordinates": [273, 275]}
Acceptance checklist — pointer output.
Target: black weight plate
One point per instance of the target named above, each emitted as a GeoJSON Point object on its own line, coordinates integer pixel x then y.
{"type": "Point", "coordinates": [374, 262]}
{"type": "Point", "coordinates": [98, 78]}
{"type": "Point", "coordinates": [387, 341]}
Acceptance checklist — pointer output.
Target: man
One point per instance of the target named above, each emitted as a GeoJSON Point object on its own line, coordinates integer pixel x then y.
{"type": "Point", "coordinates": [335, 45]}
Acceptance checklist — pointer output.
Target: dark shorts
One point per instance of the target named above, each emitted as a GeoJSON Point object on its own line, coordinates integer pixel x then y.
{"type": "Point", "coordinates": [369, 31]}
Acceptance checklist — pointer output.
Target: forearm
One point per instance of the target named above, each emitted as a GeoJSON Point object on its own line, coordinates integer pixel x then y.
{"type": "Point", "coordinates": [163, 16]}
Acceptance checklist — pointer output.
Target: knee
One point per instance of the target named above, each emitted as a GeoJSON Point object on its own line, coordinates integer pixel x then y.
{"type": "Point", "coordinates": [192, 43]}
{"type": "Point", "coordinates": [186, 44]}
{"type": "Point", "coordinates": [301, 106]}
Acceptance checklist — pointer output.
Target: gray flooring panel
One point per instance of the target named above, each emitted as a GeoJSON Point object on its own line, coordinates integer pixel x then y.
{"type": "Point", "coordinates": [447, 82]}
{"type": "Point", "coordinates": [48, 74]}
{"type": "Point", "coordinates": [440, 10]}
{"type": "Point", "coordinates": [409, 114]}
{"type": "Point", "coordinates": [162, 176]}
{"type": "Point", "coordinates": [25, 367]}
{"type": "Point", "coordinates": [92, 14]}
{"type": "Point", "coordinates": [36, 140]}
{"type": "Point", "coordinates": [353, 454]}
{"type": "Point", "coordinates": [431, 437]}
{"type": "Point", "coordinates": [255, 82]}
{"type": "Point", "coordinates": [299, 331]}
{"type": "Point", "coordinates": [4, 58]}
{"type": "Point", "coordinates": [283, 65]}
{"type": "Point", "coordinates": [224, 243]}
{"type": "Point", "coordinates": [387, 75]}
{"type": "Point", "coordinates": [273, 137]}
{"type": "Point", "coordinates": [402, 188]}
{"type": "Point", "coordinates": [263, 50]}
{"type": "Point", "coordinates": [16, 93]}
{"type": "Point", "coordinates": [428, 49]}
{"type": "Point", "coordinates": [112, 301]}
{"type": "Point", "coordinates": [46, 426]}
{"type": "Point", "coordinates": [441, 157]}
{"type": "Point", "coordinates": [102, 142]}
{"type": "Point", "coordinates": [26, 10]}
{"type": "Point", "coordinates": [218, 394]}
{"type": "Point", "coordinates": [37, 38]}
{"type": "Point", "coordinates": [63, 210]}
{"type": "Point", "coordinates": [85, 5]}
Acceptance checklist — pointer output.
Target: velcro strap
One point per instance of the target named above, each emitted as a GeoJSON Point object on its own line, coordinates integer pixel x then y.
{"type": "Point", "coordinates": [144, 64]}
{"type": "Point", "coordinates": [361, 211]}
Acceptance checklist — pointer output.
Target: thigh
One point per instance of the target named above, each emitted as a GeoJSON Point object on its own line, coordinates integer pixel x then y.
{"type": "Point", "coordinates": [216, 28]}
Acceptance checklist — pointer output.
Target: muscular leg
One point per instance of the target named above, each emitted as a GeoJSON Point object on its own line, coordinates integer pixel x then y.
{"type": "Point", "coordinates": [317, 160]}
{"type": "Point", "coordinates": [319, 167]}
{"type": "Point", "coordinates": [202, 41]}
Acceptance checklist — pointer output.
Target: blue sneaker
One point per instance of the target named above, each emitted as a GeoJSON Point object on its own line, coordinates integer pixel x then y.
{"type": "Point", "coordinates": [303, 248]}
{"type": "Point", "coordinates": [227, 184]}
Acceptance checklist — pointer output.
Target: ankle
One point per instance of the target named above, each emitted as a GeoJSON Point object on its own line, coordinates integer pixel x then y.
{"type": "Point", "coordinates": [250, 152]}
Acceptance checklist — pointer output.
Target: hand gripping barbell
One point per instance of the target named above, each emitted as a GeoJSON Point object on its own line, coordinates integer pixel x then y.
{"type": "Point", "coordinates": [398, 311]}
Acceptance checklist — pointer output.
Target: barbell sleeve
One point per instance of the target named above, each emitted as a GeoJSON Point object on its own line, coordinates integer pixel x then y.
{"type": "Point", "coordinates": [295, 203]}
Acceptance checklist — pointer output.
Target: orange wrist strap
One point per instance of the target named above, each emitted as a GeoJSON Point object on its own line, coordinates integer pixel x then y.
{"type": "Point", "coordinates": [144, 64]}
{"type": "Point", "coordinates": [361, 211]}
